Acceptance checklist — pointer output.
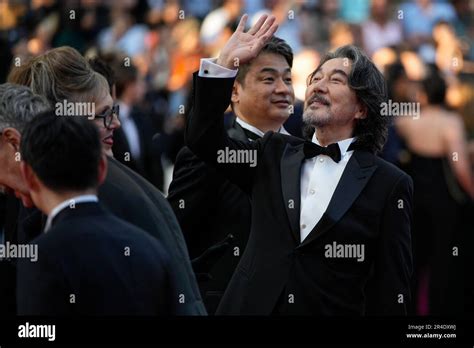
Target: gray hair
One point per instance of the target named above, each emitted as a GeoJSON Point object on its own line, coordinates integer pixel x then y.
{"type": "Point", "coordinates": [18, 106]}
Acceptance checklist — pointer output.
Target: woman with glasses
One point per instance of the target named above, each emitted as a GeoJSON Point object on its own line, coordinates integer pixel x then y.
{"type": "Point", "coordinates": [63, 74]}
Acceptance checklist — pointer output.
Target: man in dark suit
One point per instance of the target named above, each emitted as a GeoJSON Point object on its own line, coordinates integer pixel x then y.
{"type": "Point", "coordinates": [89, 261]}
{"type": "Point", "coordinates": [133, 145]}
{"type": "Point", "coordinates": [214, 213]}
{"type": "Point", "coordinates": [129, 195]}
{"type": "Point", "coordinates": [18, 104]}
{"type": "Point", "coordinates": [124, 193]}
{"type": "Point", "coordinates": [330, 230]}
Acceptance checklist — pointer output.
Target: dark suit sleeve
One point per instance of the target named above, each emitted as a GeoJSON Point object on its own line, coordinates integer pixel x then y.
{"type": "Point", "coordinates": [193, 197]}
{"type": "Point", "coordinates": [41, 287]}
{"type": "Point", "coordinates": [205, 134]}
{"type": "Point", "coordinates": [388, 290]}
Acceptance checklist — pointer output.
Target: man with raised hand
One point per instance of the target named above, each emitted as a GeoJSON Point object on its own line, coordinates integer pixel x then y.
{"type": "Point", "coordinates": [330, 230]}
{"type": "Point", "coordinates": [217, 232]}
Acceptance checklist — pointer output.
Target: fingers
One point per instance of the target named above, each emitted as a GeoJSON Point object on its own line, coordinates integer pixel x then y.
{"type": "Point", "coordinates": [242, 23]}
{"type": "Point", "coordinates": [266, 26]}
{"type": "Point", "coordinates": [265, 37]}
{"type": "Point", "coordinates": [258, 25]}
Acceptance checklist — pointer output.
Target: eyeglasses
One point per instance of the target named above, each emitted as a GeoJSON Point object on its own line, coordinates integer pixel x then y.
{"type": "Point", "coordinates": [108, 115]}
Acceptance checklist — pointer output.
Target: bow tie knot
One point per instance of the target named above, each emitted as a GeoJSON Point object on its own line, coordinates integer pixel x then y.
{"type": "Point", "coordinates": [332, 150]}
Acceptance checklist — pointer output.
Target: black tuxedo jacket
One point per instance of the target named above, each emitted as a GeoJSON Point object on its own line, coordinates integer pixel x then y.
{"type": "Point", "coordinates": [110, 267]}
{"type": "Point", "coordinates": [278, 274]}
{"type": "Point", "coordinates": [210, 210]}
{"type": "Point", "coordinates": [9, 207]}
{"type": "Point", "coordinates": [130, 197]}
{"type": "Point", "coordinates": [133, 199]}
{"type": "Point", "coordinates": [148, 164]}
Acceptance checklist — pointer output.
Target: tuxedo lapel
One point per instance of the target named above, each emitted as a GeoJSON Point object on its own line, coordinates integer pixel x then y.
{"type": "Point", "coordinates": [357, 173]}
{"type": "Point", "coordinates": [237, 132]}
{"type": "Point", "coordinates": [290, 169]}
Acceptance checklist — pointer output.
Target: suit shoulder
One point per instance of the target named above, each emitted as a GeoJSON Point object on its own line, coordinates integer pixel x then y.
{"type": "Point", "coordinates": [136, 236]}
{"type": "Point", "coordinates": [390, 171]}
{"type": "Point", "coordinates": [281, 139]}
{"type": "Point", "coordinates": [96, 231]}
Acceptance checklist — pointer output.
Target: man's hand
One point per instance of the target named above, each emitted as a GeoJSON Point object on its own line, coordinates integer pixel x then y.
{"type": "Point", "coordinates": [243, 47]}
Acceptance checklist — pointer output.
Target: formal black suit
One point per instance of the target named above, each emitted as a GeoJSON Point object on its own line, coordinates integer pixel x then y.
{"type": "Point", "coordinates": [130, 197]}
{"type": "Point", "coordinates": [148, 164]}
{"type": "Point", "coordinates": [9, 206]}
{"type": "Point", "coordinates": [109, 266]}
{"type": "Point", "coordinates": [133, 199]}
{"type": "Point", "coordinates": [278, 274]}
{"type": "Point", "coordinates": [211, 210]}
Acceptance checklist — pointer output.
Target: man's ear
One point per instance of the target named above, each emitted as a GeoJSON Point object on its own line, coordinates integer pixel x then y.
{"type": "Point", "coordinates": [361, 111]}
{"type": "Point", "coordinates": [235, 92]}
{"type": "Point", "coordinates": [102, 174]}
{"type": "Point", "coordinates": [29, 177]}
{"type": "Point", "coordinates": [12, 137]}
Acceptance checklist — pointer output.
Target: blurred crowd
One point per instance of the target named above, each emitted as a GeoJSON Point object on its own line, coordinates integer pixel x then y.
{"type": "Point", "coordinates": [151, 48]}
{"type": "Point", "coordinates": [165, 39]}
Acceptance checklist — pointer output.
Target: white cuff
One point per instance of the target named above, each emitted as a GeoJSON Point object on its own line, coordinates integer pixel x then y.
{"type": "Point", "coordinates": [209, 68]}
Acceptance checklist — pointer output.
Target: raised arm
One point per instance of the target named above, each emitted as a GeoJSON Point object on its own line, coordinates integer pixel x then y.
{"type": "Point", "coordinates": [205, 134]}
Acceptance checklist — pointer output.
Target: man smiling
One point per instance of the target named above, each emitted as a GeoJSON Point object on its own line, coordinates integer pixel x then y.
{"type": "Point", "coordinates": [262, 100]}
{"type": "Point", "coordinates": [309, 194]}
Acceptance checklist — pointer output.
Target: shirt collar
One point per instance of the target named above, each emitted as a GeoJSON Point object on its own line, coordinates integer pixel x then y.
{"type": "Point", "coordinates": [124, 110]}
{"type": "Point", "coordinates": [255, 130]}
{"type": "Point", "coordinates": [343, 144]}
{"type": "Point", "coordinates": [63, 205]}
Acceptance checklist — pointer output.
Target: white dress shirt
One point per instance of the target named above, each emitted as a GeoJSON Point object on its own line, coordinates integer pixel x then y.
{"type": "Point", "coordinates": [130, 130]}
{"type": "Point", "coordinates": [69, 202]}
{"type": "Point", "coordinates": [319, 175]}
{"type": "Point", "coordinates": [209, 68]}
{"type": "Point", "coordinates": [255, 130]}
{"type": "Point", "coordinates": [319, 178]}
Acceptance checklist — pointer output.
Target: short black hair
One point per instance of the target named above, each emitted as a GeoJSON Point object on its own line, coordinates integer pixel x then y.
{"type": "Point", "coordinates": [370, 88]}
{"type": "Point", "coordinates": [274, 45]}
{"type": "Point", "coordinates": [63, 151]}
{"type": "Point", "coordinates": [101, 64]}
{"type": "Point", "coordinates": [124, 74]}
{"type": "Point", "coordinates": [434, 85]}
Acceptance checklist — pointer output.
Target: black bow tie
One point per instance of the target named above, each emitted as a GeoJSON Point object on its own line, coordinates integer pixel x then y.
{"type": "Point", "coordinates": [332, 150]}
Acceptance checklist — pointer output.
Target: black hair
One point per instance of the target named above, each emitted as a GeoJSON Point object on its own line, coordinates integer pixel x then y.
{"type": "Point", "coordinates": [101, 65]}
{"type": "Point", "coordinates": [124, 74]}
{"type": "Point", "coordinates": [274, 45]}
{"type": "Point", "coordinates": [63, 151]}
{"type": "Point", "coordinates": [434, 86]}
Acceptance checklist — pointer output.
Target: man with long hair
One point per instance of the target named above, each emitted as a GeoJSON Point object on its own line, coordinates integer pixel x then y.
{"type": "Point", "coordinates": [330, 230]}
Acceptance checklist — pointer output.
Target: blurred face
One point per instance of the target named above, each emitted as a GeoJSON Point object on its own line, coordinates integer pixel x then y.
{"type": "Point", "coordinates": [329, 100]}
{"type": "Point", "coordinates": [9, 168]}
{"type": "Point", "coordinates": [267, 95]}
{"type": "Point", "coordinates": [106, 133]}
{"type": "Point", "coordinates": [11, 180]}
